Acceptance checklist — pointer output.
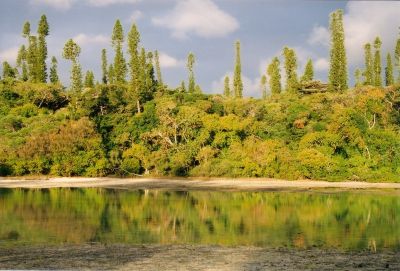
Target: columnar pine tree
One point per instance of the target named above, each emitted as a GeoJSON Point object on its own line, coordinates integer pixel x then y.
{"type": "Point", "coordinates": [32, 59]}
{"type": "Point", "coordinates": [308, 72]}
{"type": "Point", "coordinates": [158, 68]}
{"type": "Point", "coordinates": [377, 63]}
{"type": "Point", "coordinates": [111, 74]}
{"type": "Point", "coordinates": [53, 71]}
{"type": "Point", "coordinates": [263, 86]}
{"type": "Point", "coordinates": [89, 80]}
{"type": "Point", "coordinates": [357, 76]}
{"type": "Point", "coordinates": [389, 78]}
{"type": "Point", "coordinates": [369, 67]}
{"type": "Point", "coordinates": [290, 69]}
{"type": "Point", "coordinates": [227, 87]}
{"type": "Point", "coordinates": [21, 63]}
{"type": "Point", "coordinates": [120, 68]}
{"type": "Point", "coordinates": [71, 52]}
{"type": "Point", "coordinates": [183, 87]}
{"type": "Point", "coordinates": [8, 71]}
{"type": "Point", "coordinates": [397, 59]}
{"type": "Point", "coordinates": [134, 61]}
{"type": "Point", "coordinates": [104, 65]}
{"type": "Point", "coordinates": [274, 74]}
{"type": "Point", "coordinates": [43, 32]}
{"type": "Point", "coordinates": [190, 64]}
{"type": "Point", "coordinates": [237, 77]}
{"type": "Point", "coordinates": [338, 62]}
{"type": "Point", "coordinates": [26, 33]}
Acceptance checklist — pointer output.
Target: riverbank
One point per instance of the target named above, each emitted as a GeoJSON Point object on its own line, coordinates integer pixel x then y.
{"type": "Point", "coordinates": [188, 184]}
{"type": "Point", "coordinates": [187, 257]}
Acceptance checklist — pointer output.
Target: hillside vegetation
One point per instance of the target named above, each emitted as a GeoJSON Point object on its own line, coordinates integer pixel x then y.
{"type": "Point", "coordinates": [141, 126]}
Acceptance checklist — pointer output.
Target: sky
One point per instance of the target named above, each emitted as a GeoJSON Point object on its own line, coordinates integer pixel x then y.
{"type": "Point", "coordinates": [208, 28]}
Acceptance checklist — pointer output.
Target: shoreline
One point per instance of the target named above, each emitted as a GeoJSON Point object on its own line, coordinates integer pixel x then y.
{"type": "Point", "coordinates": [191, 257]}
{"type": "Point", "coordinates": [223, 184]}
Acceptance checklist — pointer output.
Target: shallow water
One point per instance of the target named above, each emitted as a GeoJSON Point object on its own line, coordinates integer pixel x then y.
{"type": "Point", "coordinates": [342, 220]}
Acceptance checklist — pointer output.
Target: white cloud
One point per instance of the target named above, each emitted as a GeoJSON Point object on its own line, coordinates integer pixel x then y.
{"type": "Point", "coordinates": [251, 87]}
{"type": "Point", "coordinates": [167, 61]}
{"type": "Point", "coordinates": [58, 4]}
{"type": "Point", "coordinates": [67, 4]}
{"type": "Point", "coordinates": [202, 18]}
{"type": "Point", "coordinates": [102, 3]}
{"type": "Point", "coordinates": [83, 39]}
{"type": "Point", "coordinates": [319, 36]}
{"type": "Point", "coordinates": [363, 21]}
{"type": "Point", "coordinates": [135, 16]}
{"type": "Point", "coordinates": [321, 64]}
{"type": "Point", "coordinates": [366, 20]}
{"type": "Point", "coordinates": [9, 55]}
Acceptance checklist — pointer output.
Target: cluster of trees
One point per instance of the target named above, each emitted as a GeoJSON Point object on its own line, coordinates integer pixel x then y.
{"type": "Point", "coordinates": [131, 123]}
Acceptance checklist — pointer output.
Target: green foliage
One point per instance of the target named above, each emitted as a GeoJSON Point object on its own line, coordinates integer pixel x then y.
{"type": "Point", "coordinates": [274, 74]}
{"type": "Point", "coordinates": [389, 78]}
{"type": "Point", "coordinates": [290, 64]}
{"type": "Point", "coordinates": [397, 59]}
{"type": "Point", "coordinates": [104, 66]}
{"type": "Point", "coordinates": [227, 87]}
{"type": "Point", "coordinates": [142, 127]}
{"type": "Point", "coordinates": [8, 71]}
{"type": "Point", "coordinates": [369, 69]}
{"type": "Point", "coordinates": [89, 80]}
{"type": "Point", "coordinates": [120, 68]}
{"type": "Point", "coordinates": [338, 63]}
{"type": "Point", "coordinates": [43, 31]}
{"type": "Point", "coordinates": [158, 68]}
{"type": "Point", "coordinates": [263, 86]}
{"type": "Point", "coordinates": [237, 77]}
{"type": "Point", "coordinates": [53, 71]}
{"type": "Point", "coordinates": [71, 52]}
{"type": "Point", "coordinates": [308, 72]}
{"type": "Point", "coordinates": [377, 63]}
{"type": "Point", "coordinates": [190, 64]}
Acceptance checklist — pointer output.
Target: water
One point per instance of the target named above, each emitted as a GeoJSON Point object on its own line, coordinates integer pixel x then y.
{"type": "Point", "coordinates": [342, 220]}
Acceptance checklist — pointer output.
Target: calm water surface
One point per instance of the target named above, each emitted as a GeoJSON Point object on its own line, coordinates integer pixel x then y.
{"type": "Point", "coordinates": [343, 220]}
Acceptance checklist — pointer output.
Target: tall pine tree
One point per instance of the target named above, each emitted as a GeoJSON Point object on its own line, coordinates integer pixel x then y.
{"type": "Point", "coordinates": [274, 74]}
{"type": "Point", "coordinates": [190, 65]}
{"type": "Point", "coordinates": [227, 87]}
{"type": "Point", "coordinates": [53, 71]}
{"type": "Point", "coordinates": [71, 52]}
{"type": "Point", "coordinates": [104, 66]}
{"type": "Point", "coordinates": [237, 77]}
{"type": "Point", "coordinates": [308, 72]}
{"type": "Point", "coordinates": [158, 68]}
{"type": "Point", "coordinates": [369, 67]}
{"type": "Point", "coordinates": [377, 63]}
{"type": "Point", "coordinates": [134, 63]}
{"type": "Point", "coordinates": [117, 39]}
{"type": "Point", "coordinates": [263, 86]}
{"type": "Point", "coordinates": [43, 32]}
{"type": "Point", "coordinates": [21, 63]}
{"type": "Point", "coordinates": [290, 69]}
{"type": "Point", "coordinates": [89, 80]}
{"type": "Point", "coordinates": [338, 61]}
{"type": "Point", "coordinates": [389, 78]}
{"type": "Point", "coordinates": [397, 59]}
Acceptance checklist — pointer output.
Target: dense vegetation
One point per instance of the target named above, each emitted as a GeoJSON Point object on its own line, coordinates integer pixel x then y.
{"type": "Point", "coordinates": [140, 126]}
{"type": "Point", "coordinates": [350, 221]}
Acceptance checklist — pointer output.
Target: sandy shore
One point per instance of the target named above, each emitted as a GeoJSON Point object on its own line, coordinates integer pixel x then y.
{"type": "Point", "coordinates": [189, 184]}
{"type": "Point", "coordinates": [187, 257]}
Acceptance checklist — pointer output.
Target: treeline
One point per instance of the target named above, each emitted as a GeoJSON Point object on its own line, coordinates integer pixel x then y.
{"type": "Point", "coordinates": [131, 123]}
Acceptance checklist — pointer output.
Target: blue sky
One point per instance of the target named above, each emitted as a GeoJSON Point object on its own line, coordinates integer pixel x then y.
{"type": "Point", "coordinates": [208, 28]}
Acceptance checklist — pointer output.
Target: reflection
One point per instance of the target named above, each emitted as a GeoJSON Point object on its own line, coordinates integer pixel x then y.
{"type": "Point", "coordinates": [274, 219]}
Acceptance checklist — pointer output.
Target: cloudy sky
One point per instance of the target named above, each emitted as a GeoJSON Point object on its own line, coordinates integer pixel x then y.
{"type": "Point", "coordinates": [208, 28]}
